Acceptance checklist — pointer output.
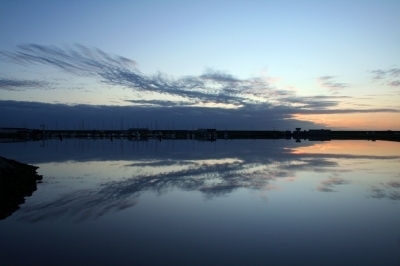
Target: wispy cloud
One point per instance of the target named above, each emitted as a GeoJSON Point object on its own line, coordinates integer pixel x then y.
{"type": "Point", "coordinates": [213, 86]}
{"type": "Point", "coordinates": [218, 76]}
{"type": "Point", "coordinates": [211, 89]}
{"type": "Point", "coordinates": [394, 83]}
{"type": "Point", "coordinates": [329, 82]}
{"type": "Point", "coordinates": [158, 103]}
{"type": "Point", "coordinates": [389, 77]}
{"type": "Point", "coordinates": [381, 74]}
{"type": "Point", "coordinates": [19, 85]}
{"type": "Point", "coordinates": [79, 59]}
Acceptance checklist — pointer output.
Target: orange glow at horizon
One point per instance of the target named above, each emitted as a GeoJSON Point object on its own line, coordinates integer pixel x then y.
{"type": "Point", "coordinates": [356, 121]}
{"type": "Point", "coordinates": [352, 147]}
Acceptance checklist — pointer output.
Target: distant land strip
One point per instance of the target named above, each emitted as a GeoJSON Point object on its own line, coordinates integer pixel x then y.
{"type": "Point", "coordinates": [199, 134]}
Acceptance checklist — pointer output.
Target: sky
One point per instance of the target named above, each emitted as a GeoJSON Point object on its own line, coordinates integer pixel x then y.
{"type": "Point", "coordinates": [193, 64]}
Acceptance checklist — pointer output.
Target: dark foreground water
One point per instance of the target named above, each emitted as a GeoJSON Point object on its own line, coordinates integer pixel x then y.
{"type": "Point", "coordinates": [183, 202]}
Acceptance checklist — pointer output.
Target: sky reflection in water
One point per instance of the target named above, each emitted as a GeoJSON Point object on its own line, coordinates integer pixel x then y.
{"type": "Point", "coordinates": [236, 202]}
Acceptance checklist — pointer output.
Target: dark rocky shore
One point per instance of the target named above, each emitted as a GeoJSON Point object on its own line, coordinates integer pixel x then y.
{"type": "Point", "coordinates": [17, 181]}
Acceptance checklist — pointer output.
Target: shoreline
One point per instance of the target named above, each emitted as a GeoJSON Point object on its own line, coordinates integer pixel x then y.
{"type": "Point", "coordinates": [201, 134]}
{"type": "Point", "coordinates": [17, 181]}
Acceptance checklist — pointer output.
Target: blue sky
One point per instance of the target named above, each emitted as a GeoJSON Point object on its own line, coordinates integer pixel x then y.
{"type": "Point", "coordinates": [329, 64]}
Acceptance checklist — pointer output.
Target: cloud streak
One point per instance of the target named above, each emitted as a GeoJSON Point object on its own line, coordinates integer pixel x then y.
{"type": "Point", "coordinates": [213, 86]}
{"type": "Point", "coordinates": [329, 82]}
{"type": "Point", "coordinates": [390, 77]}
{"type": "Point", "coordinates": [20, 85]}
{"type": "Point", "coordinates": [80, 60]}
{"type": "Point", "coordinates": [212, 89]}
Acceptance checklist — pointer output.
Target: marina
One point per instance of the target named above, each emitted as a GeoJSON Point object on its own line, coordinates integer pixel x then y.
{"type": "Point", "coordinates": [209, 134]}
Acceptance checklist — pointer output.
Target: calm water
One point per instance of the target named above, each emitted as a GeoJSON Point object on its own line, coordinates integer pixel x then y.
{"type": "Point", "coordinates": [240, 202]}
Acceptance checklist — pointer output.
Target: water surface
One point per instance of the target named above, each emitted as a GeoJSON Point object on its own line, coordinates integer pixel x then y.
{"type": "Point", "coordinates": [233, 202]}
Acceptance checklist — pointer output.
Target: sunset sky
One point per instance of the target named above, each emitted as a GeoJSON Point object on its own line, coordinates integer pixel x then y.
{"type": "Point", "coordinates": [183, 64]}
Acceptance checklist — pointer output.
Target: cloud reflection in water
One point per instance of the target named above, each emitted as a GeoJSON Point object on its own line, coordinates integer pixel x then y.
{"type": "Point", "coordinates": [213, 173]}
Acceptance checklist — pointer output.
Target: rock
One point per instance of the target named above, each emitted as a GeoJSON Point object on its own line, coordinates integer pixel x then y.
{"type": "Point", "coordinates": [17, 181]}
